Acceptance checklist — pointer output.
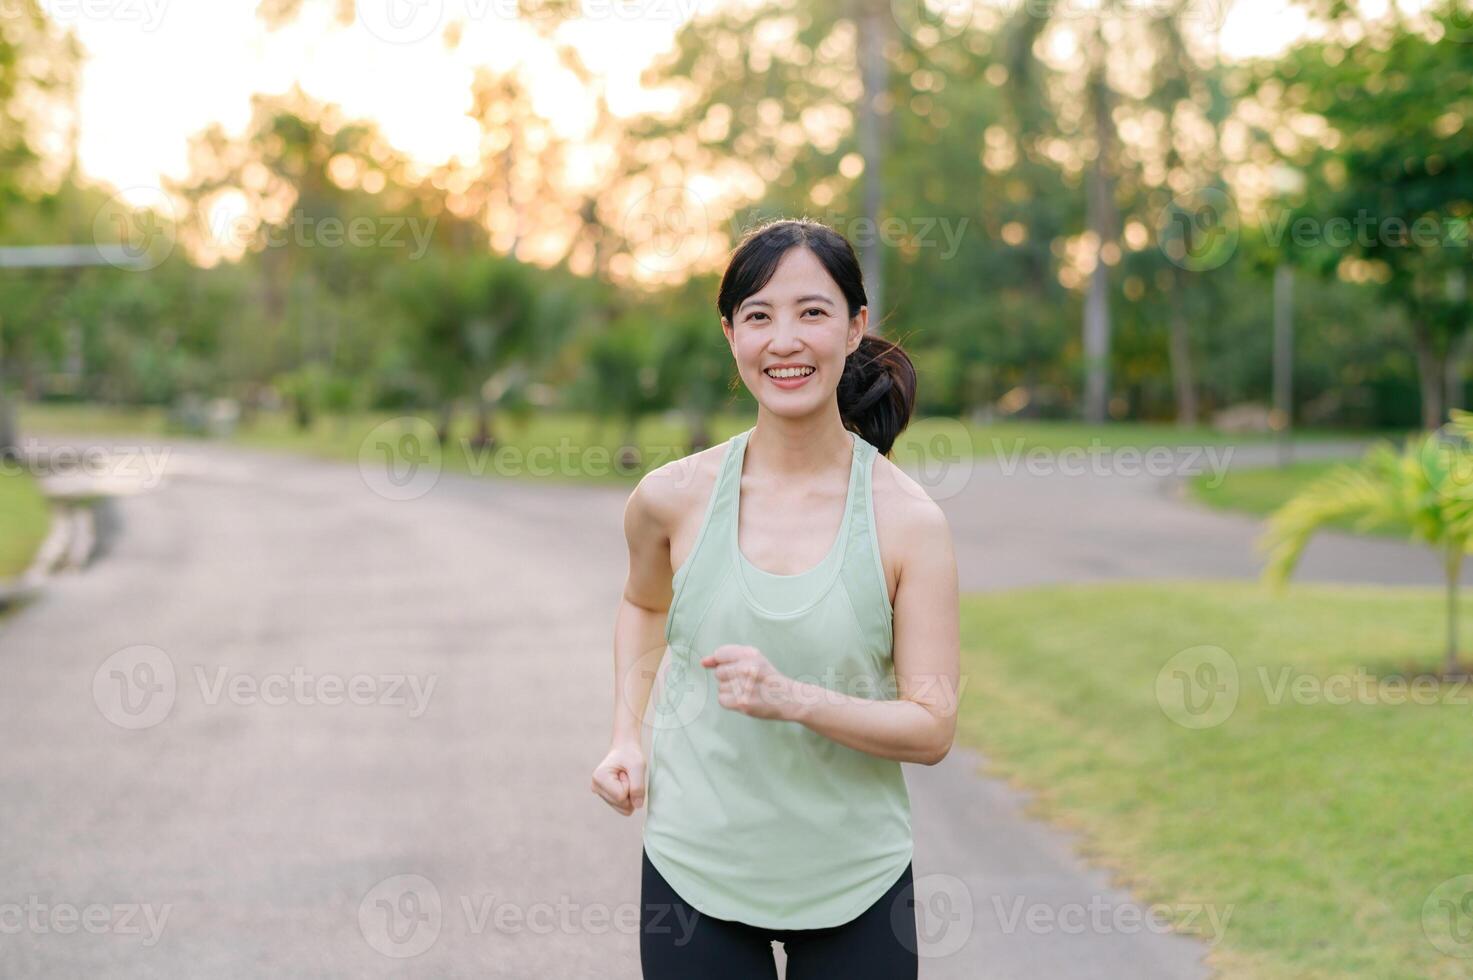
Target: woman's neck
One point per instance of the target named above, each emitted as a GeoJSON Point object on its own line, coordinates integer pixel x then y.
{"type": "Point", "coordinates": [808, 445]}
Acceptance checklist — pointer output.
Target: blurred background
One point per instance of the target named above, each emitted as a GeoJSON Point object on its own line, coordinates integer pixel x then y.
{"type": "Point", "coordinates": [334, 335]}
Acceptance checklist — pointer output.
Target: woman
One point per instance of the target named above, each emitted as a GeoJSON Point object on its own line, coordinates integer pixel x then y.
{"type": "Point", "coordinates": [811, 622]}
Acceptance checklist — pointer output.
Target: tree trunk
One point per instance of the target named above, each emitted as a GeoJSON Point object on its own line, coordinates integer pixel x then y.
{"type": "Point", "coordinates": [1454, 566]}
{"type": "Point", "coordinates": [700, 431]}
{"type": "Point", "coordinates": [628, 459]}
{"type": "Point", "coordinates": [1181, 364]}
{"type": "Point", "coordinates": [9, 439]}
{"type": "Point", "coordinates": [302, 411]}
{"type": "Point", "coordinates": [1454, 372]}
{"type": "Point", "coordinates": [1283, 373]}
{"type": "Point", "coordinates": [1458, 348]}
{"type": "Point", "coordinates": [483, 438]}
{"type": "Point", "coordinates": [1101, 208]}
{"type": "Point", "coordinates": [447, 417]}
{"type": "Point", "coordinates": [874, 21]}
{"type": "Point", "coordinates": [1097, 347]}
{"type": "Point", "coordinates": [1430, 374]}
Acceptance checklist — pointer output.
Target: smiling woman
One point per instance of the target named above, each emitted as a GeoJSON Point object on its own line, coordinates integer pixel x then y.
{"type": "Point", "coordinates": [806, 590]}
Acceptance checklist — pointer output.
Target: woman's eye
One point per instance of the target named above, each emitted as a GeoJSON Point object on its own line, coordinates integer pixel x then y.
{"type": "Point", "coordinates": [813, 309]}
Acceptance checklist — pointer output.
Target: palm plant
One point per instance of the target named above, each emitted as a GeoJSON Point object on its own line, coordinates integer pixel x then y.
{"type": "Point", "coordinates": [1427, 486]}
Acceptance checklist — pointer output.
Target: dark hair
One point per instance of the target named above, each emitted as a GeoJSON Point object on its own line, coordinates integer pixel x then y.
{"type": "Point", "coordinates": [877, 389]}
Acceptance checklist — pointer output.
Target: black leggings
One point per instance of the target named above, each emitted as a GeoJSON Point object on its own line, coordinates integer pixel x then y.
{"type": "Point", "coordinates": [676, 942]}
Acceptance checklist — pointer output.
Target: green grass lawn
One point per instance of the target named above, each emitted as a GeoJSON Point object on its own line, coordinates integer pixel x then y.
{"type": "Point", "coordinates": [1319, 829]}
{"type": "Point", "coordinates": [1262, 490]}
{"type": "Point", "coordinates": [574, 446]}
{"type": "Point", "coordinates": [24, 521]}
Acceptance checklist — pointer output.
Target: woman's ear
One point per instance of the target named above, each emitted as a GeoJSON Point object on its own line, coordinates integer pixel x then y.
{"type": "Point", "coordinates": [857, 326]}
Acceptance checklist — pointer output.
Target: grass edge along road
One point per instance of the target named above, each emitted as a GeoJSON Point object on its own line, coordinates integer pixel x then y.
{"type": "Point", "coordinates": [1318, 825]}
{"type": "Point", "coordinates": [1260, 490]}
{"type": "Point", "coordinates": [569, 446]}
{"type": "Point", "coordinates": [25, 518]}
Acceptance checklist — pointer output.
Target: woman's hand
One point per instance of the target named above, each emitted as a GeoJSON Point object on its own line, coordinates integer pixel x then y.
{"type": "Point", "coordinates": [749, 683]}
{"type": "Point", "coordinates": [619, 779]}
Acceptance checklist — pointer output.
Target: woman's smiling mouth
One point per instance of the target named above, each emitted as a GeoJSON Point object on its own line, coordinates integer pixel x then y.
{"type": "Point", "coordinates": [789, 375]}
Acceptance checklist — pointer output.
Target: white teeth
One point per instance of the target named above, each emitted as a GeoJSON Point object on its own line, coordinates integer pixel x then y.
{"type": "Point", "coordinates": [798, 372]}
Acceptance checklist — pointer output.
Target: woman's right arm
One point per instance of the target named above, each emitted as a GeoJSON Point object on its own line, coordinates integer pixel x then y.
{"type": "Point", "coordinates": [639, 640]}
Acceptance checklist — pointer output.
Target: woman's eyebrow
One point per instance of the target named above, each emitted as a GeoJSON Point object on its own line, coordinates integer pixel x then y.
{"type": "Point", "coordinates": [811, 297]}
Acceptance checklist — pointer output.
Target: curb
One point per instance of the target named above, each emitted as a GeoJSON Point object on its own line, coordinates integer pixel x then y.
{"type": "Point", "coordinates": [69, 545]}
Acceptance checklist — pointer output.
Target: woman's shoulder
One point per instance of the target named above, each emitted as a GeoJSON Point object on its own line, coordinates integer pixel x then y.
{"type": "Point", "coordinates": [904, 510]}
{"type": "Point", "coordinates": [673, 489]}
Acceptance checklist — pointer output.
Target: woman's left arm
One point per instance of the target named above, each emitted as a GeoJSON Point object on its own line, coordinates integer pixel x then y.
{"type": "Point", "coordinates": [920, 723]}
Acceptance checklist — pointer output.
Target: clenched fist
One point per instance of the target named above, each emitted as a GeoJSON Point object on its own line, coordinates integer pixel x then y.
{"type": "Point", "coordinates": [619, 779]}
{"type": "Point", "coordinates": [748, 683]}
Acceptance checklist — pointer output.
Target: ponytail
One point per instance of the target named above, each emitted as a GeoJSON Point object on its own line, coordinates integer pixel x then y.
{"type": "Point", "coordinates": [877, 391]}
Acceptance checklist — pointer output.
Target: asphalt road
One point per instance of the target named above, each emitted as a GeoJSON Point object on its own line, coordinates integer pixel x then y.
{"type": "Point", "coordinates": [290, 727]}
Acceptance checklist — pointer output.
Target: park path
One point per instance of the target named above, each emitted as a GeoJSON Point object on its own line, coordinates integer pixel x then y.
{"type": "Point", "coordinates": [286, 833]}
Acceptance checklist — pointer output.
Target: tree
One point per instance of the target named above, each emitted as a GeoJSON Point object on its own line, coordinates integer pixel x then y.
{"type": "Point", "coordinates": [38, 72]}
{"type": "Point", "coordinates": [470, 320]}
{"type": "Point", "coordinates": [1389, 166]}
{"type": "Point", "coordinates": [1428, 485]}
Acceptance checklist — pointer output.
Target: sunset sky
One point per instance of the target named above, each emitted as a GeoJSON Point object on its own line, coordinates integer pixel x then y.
{"type": "Point", "coordinates": [157, 71]}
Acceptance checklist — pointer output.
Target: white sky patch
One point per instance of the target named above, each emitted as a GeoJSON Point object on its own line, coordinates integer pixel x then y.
{"type": "Point", "coordinates": [158, 71]}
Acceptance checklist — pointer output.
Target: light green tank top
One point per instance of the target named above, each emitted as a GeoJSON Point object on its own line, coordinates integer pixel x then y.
{"type": "Point", "coordinates": [768, 822]}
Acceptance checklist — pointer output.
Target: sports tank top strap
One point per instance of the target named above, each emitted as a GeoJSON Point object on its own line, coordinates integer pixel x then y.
{"type": "Point", "coordinates": [706, 564]}
{"type": "Point", "coordinates": [863, 574]}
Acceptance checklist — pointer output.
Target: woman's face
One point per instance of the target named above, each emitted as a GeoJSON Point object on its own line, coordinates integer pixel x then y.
{"type": "Point", "coordinates": [790, 338]}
